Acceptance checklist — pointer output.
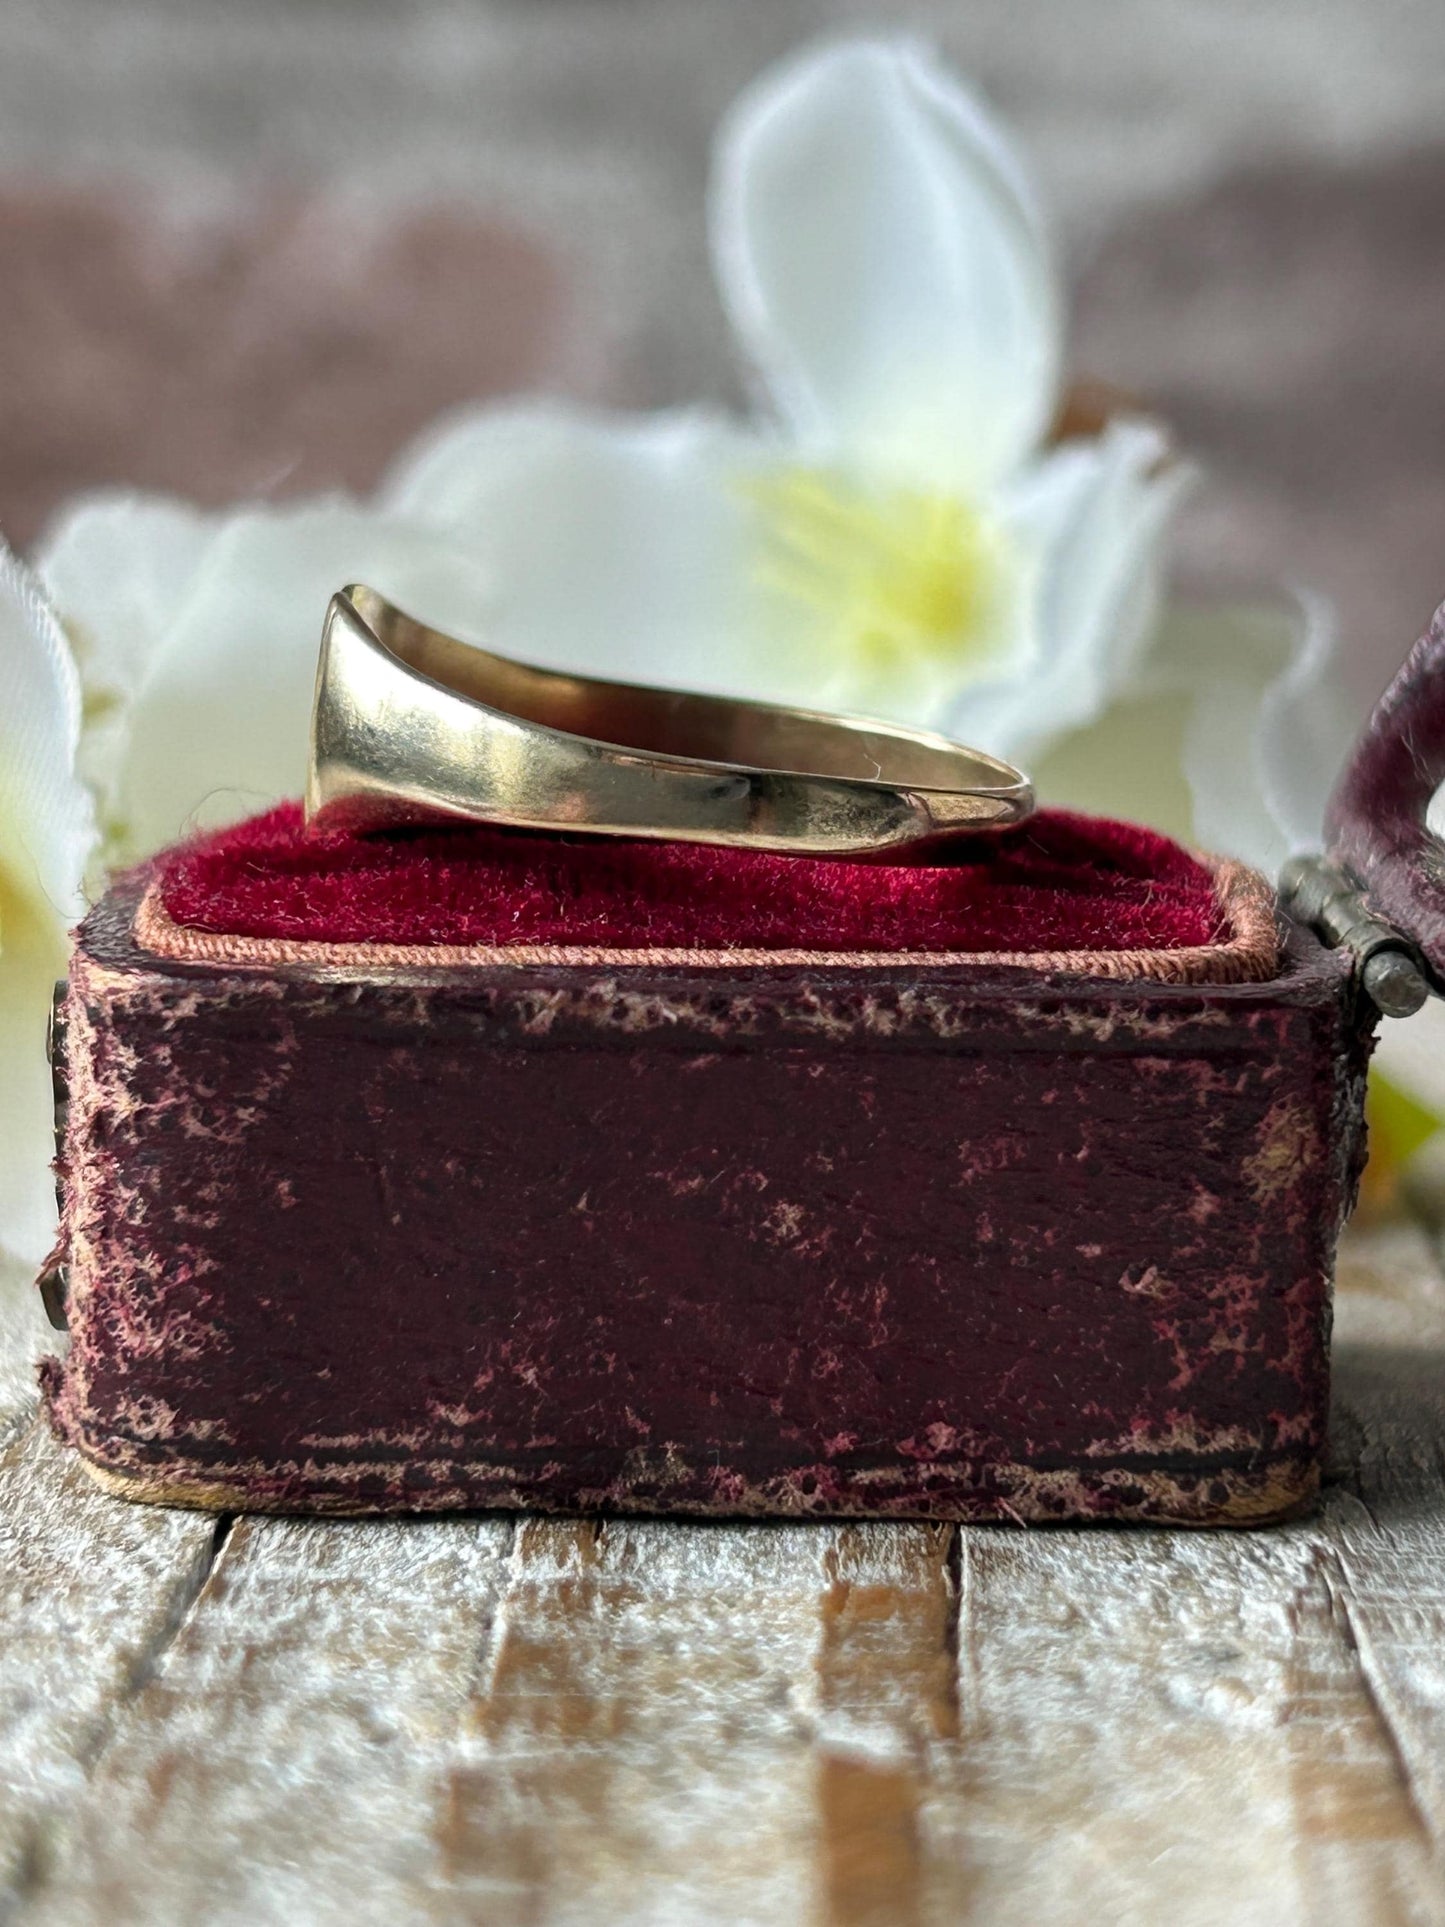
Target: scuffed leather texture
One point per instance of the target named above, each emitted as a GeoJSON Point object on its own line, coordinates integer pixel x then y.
{"type": "Point", "coordinates": [1375, 825]}
{"type": "Point", "coordinates": [955, 1241]}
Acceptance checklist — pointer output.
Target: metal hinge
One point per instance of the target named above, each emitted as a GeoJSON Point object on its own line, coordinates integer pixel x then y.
{"type": "Point", "coordinates": [1393, 974]}
{"type": "Point", "coordinates": [54, 1281]}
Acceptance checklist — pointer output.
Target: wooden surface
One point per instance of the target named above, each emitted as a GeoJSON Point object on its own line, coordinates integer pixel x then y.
{"type": "Point", "coordinates": [499, 1721]}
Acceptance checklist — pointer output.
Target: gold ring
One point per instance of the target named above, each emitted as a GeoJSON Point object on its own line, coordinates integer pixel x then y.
{"type": "Point", "coordinates": [412, 726]}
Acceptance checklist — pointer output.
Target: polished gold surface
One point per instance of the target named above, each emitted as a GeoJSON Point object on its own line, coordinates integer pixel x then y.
{"type": "Point", "coordinates": [412, 726]}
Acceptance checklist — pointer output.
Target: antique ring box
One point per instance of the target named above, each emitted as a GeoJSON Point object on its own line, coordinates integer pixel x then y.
{"type": "Point", "coordinates": [472, 1168]}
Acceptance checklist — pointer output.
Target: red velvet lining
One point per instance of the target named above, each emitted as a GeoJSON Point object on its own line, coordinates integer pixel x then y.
{"type": "Point", "coordinates": [1060, 882]}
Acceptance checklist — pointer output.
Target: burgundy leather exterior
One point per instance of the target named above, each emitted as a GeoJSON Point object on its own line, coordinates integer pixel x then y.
{"type": "Point", "coordinates": [1375, 824]}
{"type": "Point", "coordinates": [959, 1242]}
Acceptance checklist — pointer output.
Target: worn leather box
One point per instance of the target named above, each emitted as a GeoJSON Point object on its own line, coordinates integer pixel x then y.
{"type": "Point", "coordinates": [471, 1169]}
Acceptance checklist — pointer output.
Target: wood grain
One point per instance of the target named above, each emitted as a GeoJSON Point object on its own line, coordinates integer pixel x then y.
{"type": "Point", "coordinates": [1162, 1724]}
{"type": "Point", "coordinates": [1386, 1524]}
{"type": "Point", "coordinates": [284, 1763]}
{"type": "Point", "coordinates": [91, 1596]}
{"type": "Point", "coordinates": [551, 1722]}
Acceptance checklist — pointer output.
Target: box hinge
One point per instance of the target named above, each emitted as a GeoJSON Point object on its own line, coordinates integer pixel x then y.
{"type": "Point", "coordinates": [54, 1280]}
{"type": "Point", "coordinates": [1392, 972]}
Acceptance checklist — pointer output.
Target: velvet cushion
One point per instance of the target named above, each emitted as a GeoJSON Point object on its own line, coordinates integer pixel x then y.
{"type": "Point", "coordinates": [1059, 882]}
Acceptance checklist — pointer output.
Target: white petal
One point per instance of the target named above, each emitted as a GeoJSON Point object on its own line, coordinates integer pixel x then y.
{"type": "Point", "coordinates": [878, 248]}
{"type": "Point", "coordinates": [616, 543]}
{"type": "Point", "coordinates": [1308, 720]}
{"type": "Point", "coordinates": [1269, 723]}
{"type": "Point", "coordinates": [1092, 515]}
{"type": "Point", "coordinates": [32, 957]}
{"type": "Point", "coordinates": [219, 722]}
{"type": "Point", "coordinates": [46, 824]}
{"type": "Point", "coordinates": [118, 566]}
{"type": "Point", "coordinates": [46, 832]}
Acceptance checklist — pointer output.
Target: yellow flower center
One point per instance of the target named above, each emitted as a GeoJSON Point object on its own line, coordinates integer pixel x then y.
{"type": "Point", "coordinates": [896, 580]}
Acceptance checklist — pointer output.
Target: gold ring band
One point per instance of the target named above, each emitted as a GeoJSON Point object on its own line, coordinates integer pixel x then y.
{"type": "Point", "coordinates": [412, 726]}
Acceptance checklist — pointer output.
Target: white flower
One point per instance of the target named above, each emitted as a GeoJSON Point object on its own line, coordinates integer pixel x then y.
{"type": "Point", "coordinates": [895, 532]}
{"type": "Point", "coordinates": [197, 638]}
{"type": "Point", "coordinates": [1228, 736]}
{"type": "Point", "coordinates": [46, 834]}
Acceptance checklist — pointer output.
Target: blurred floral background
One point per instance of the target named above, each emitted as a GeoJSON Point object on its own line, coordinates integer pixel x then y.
{"type": "Point", "coordinates": [249, 250]}
{"type": "Point", "coordinates": [250, 245]}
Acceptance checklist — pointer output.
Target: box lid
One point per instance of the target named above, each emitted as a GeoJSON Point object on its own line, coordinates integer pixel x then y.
{"type": "Point", "coordinates": [1376, 830]}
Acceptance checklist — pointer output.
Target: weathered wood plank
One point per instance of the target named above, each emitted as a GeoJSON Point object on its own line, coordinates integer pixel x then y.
{"type": "Point", "coordinates": [888, 1704]}
{"type": "Point", "coordinates": [282, 1763]}
{"type": "Point", "coordinates": [1156, 1726]}
{"type": "Point", "coordinates": [90, 1595]}
{"type": "Point", "coordinates": [642, 1749]}
{"type": "Point", "coordinates": [681, 1723]}
{"type": "Point", "coordinates": [661, 1723]}
{"type": "Point", "coordinates": [1385, 1523]}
